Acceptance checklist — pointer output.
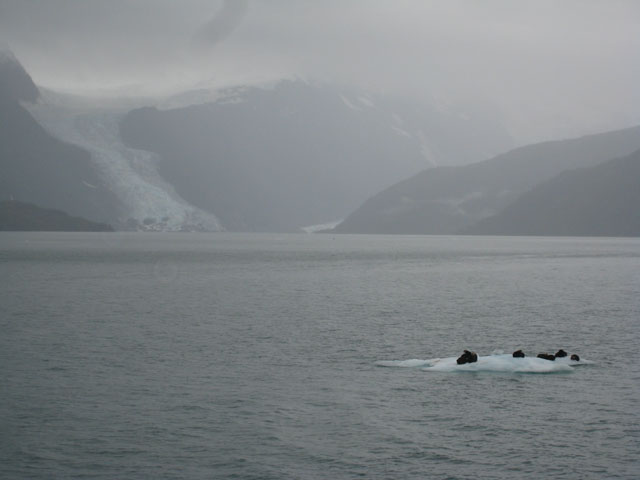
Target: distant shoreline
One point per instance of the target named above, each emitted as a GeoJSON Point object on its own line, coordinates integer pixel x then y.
{"type": "Point", "coordinates": [18, 216]}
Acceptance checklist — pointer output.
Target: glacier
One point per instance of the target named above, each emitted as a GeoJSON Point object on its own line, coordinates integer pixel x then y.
{"type": "Point", "coordinates": [150, 203]}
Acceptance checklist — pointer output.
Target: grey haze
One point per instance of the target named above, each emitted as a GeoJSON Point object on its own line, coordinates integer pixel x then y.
{"type": "Point", "coordinates": [557, 68]}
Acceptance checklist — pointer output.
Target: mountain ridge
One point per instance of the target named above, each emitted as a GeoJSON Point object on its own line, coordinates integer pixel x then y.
{"type": "Point", "coordinates": [37, 167]}
{"type": "Point", "coordinates": [27, 217]}
{"type": "Point", "coordinates": [446, 200]}
{"type": "Point", "coordinates": [602, 200]}
{"type": "Point", "coordinates": [297, 154]}
{"type": "Point", "coordinates": [15, 83]}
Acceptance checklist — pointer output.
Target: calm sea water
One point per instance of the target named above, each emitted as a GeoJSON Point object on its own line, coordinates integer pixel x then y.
{"type": "Point", "coordinates": [186, 356]}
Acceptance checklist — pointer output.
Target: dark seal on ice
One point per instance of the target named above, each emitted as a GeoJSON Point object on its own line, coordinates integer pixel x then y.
{"type": "Point", "coordinates": [546, 356]}
{"type": "Point", "coordinates": [518, 354]}
{"type": "Point", "coordinates": [575, 357]}
{"type": "Point", "coordinates": [467, 357]}
{"type": "Point", "coordinates": [561, 353]}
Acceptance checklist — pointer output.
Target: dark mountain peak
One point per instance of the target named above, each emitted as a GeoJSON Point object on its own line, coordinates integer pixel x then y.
{"type": "Point", "coordinates": [38, 168]}
{"type": "Point", "coordinates": [15, 82]}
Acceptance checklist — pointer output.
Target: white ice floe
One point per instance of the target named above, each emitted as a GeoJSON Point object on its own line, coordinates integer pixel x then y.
{"type": "Point", "coordinates": [490, 363]}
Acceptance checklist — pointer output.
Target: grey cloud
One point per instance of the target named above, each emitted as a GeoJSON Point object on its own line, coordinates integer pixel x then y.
{"type": "Point", "coordinates": [222, 24]}
{"type": "Point", "coordinates": [538, 60]}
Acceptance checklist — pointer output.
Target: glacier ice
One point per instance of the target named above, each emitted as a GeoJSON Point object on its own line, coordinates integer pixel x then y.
{"type": "Point", "coordinates": [496, 362]}
{"type": "Point", "coordinates": [149, 201]}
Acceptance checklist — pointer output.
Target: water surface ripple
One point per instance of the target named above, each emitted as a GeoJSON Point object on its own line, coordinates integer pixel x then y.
{"type": "Point", "coordinates": [181, 356]}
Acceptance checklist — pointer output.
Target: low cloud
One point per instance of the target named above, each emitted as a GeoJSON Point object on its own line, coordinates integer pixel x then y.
{"type": "Point", "coordinates": [223, 23]}
{"type": "Point", "coordinates": [547, 62]}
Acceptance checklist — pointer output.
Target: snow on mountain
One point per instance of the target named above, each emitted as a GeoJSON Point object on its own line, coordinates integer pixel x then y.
{"type": "Point", "coordinates": [298, 153]}
{"type": "Point", "coordinates": [6, 55]}
{"type": "Point", "coordinates": [328, 149]}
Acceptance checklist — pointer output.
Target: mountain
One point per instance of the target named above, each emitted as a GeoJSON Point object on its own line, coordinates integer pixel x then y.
{"type": "Point", "coordinates": [19, 216]}
{"type": "Point", "coordinates": [15, 82]}
{"type": "Point", "coordinates": [595, 201]}
{"type": "Point", "coordinates": [446, 200]}
{"type": "Point", "coordinates": [299, 154]}
{"type": "Point", "coordinates": [279, 158]}
{"type": "Point", "coordinates": [38, 168]}
{"type": "Point", "coordinates": [147, 202]}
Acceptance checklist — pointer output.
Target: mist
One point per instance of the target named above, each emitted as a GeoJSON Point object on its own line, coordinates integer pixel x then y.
{"type": "Point", "coordinates": [546, 64]}
{"type": "Point", "coordinates": [222, 24]}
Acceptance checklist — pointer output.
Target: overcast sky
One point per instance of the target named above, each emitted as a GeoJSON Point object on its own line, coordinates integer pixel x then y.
{"type": "Point", "coordinates": [531, 56]}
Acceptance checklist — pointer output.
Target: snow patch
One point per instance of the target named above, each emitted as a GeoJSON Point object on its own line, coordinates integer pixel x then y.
{"type": "Point", "coordinates": [397, 119]}
{"type": "Point", "coordinates": [209, 92]}
{"type": "Point", "coordinates": [401, 132]}
{"type": "Point", "coordinates": [366, 101]}
{"type": "Point", "coordinates": [322, 226]}
{"type": "Point", "coordinates": [349, 104]}
{"type": "Point", "coordinates": [426, 150]}
{"type": "Point", "coordinates": [195, 97]}
{"type": "Point", "coordinates": [6, 55]}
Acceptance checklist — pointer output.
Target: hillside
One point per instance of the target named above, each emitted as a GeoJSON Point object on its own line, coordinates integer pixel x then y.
{"type": "Point", "coordinates": [37, 167]}
{"type": "Point", "coordinates": [447, 200]}
{"type": "Point", "coordinates": [19, 216]}
{"type": "Point", "coordinates": [297, 154]}
{"type": "Point", "coordinates": [596, 201]}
